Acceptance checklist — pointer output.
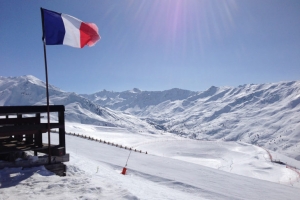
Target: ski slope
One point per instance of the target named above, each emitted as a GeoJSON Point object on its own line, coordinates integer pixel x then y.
{"type": "Point", "coordinates": [174, 168]}
{"type": "Point", "coordinates": [235, 157]}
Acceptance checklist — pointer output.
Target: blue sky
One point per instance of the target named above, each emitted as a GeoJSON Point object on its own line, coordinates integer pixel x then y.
{"type": "Point", "coordinates": [157, 44]}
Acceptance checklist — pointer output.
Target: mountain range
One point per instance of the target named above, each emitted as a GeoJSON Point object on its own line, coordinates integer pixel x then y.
{"type": "Point", "coordinates": [260, 114]}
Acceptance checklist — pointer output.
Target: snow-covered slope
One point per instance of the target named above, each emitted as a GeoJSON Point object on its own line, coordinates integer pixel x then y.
{"type": "Point", "coordinates": [264, 114]}
{"type": "Point", "coordinates": [234, 157]}
{"type": "Point", "coordinates": [135, 100]}
{"type": "Point", "coordinates": [172, 169]}
{"type": "Point", "coordinates": [23, 90]}
{"type": "Point", "coordinates": [28, 90]}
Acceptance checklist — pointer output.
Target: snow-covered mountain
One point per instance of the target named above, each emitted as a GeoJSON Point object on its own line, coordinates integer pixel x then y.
{"type": "Point", "coordinates": [173, 165]}
{"type": "Point", "coordinates": [28, 90]}
{"type": "Point", "coordinates": [136, 101]}
{"type": "Point", "coordinates": [264, 114]}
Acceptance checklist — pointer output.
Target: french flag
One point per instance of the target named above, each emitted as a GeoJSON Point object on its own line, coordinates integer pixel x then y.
{"type": "Point", "coordinates": [62, 29]}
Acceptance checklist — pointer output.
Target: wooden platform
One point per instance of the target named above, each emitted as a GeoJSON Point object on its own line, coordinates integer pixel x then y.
{"type": "Point", "coordinates": [21, 130]}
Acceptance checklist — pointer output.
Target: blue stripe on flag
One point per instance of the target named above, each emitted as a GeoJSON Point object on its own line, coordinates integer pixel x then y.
{"type": "Point", "coordinates": [54, 29]}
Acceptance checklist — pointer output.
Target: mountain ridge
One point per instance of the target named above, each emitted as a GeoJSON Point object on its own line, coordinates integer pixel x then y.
{"type": "Point", "coordinates": [28, 90]}
{"type": "Point", "coordinates": [260, 114]}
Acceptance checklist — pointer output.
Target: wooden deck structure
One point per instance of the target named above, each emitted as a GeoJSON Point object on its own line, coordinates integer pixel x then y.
{"type": "Point", "coordinates": [21, 130]}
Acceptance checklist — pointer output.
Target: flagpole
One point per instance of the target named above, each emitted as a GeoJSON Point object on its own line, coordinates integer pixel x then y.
{"type": "Point", "coordinates": [47, 89]}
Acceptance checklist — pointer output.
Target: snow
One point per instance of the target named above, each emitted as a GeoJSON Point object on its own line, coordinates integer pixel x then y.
{"type": "Point", "coordinates": [174, 168]}
{"type": "Point", "coordinates": [261, 114]}
{"type": "Point", "coordinates": [235, 157]}
{"type": "Point", "coordinates": [216, 144]}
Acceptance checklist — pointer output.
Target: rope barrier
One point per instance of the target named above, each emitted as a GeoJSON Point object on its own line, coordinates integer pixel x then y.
{"type": "Point", "coordinates": [105, 142]}
{"type": "Point", "coordinates": [287, 166]}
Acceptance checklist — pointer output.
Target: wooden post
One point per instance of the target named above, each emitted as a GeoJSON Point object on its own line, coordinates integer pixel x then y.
{"type": "Point", "coordinates": [61, 131]}
{"type": "Point", "coordinates": [38, 139]}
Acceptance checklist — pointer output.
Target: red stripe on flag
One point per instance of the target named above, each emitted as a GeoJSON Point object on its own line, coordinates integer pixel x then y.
{"type": "Point", "coordinates": [88, 34]}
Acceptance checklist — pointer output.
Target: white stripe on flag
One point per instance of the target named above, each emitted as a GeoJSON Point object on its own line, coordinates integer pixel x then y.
{"type": "Point", "coordinates": [72, 26]}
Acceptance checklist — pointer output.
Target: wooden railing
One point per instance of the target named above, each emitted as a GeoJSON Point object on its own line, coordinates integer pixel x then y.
{"type": "Point", "coordinates": [20, 132]}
